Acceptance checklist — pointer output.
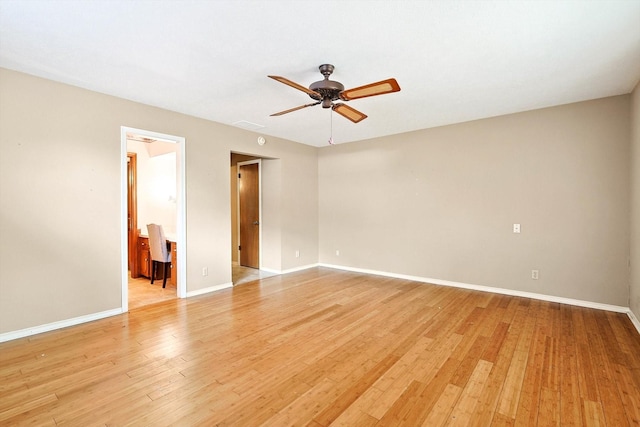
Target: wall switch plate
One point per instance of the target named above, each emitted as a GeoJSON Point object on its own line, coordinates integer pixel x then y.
{"type": "Point", "coordinates": [534, 274]}
{"type": "Point", "coordinates": [297, 254]}
{"type": "Point", "coordinates": [516, 228]}
{"type": "Point", "coordinates": [337, 252]}
{"type": "Point", "coordinates": [205, 271]}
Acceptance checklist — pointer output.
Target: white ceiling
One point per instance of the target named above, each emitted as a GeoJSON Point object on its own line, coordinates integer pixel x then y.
{"type": "Point", "coordinates": [454, 60]}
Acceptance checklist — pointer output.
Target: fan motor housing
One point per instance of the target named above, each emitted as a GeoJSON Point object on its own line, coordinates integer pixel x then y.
{"type": "Point", "coordinates": [329, 90]}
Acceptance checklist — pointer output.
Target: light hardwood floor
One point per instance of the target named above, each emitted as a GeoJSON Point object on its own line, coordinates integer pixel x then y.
{"type": "Point", "coordinates": [142, 292]}
{"type": "Point", "coordinates": [322, 347]}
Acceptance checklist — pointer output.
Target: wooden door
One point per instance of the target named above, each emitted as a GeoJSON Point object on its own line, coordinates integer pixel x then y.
{"type": "Point", "coordinates": [132, 213]}
{"type": "Point", "coordinates": [249, 213]}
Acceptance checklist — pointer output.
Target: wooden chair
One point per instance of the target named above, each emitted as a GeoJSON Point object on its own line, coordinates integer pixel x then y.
{"type": "Point", "coordinates": [160, 252]}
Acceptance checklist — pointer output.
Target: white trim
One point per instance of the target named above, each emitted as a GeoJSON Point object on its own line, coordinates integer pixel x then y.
{"type": "Point", "coordinates": [124, 223]}
{"type": "Point", "coordinates": [291, 270]}
{"type": "Point", "coordinates": [209, 289]}
{"type": "Point", "coordinates": [270, 270]}
{"type": "Point", "coordinates": [181, 230]}
{"type": "Point", "coordinates": [181, 217]}
{"type": "Point", "coordinates": [303, 267]}
{"type": "Point", "coordinates": [634, 320]}
{"type": "Point", "coordinates": [503, 291]}
{"type": "Point", "coordinates": [13, 335]}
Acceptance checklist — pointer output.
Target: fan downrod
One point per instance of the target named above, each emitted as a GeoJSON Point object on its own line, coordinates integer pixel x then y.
{"type": "Point", "coordinates": [326, 70]}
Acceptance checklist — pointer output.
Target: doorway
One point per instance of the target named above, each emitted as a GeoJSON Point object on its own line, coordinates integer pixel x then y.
{"type": "Point", "coordinates": [251, 236]}
{"type": "Point", "coordinates": [133, 258]}
{"type": "Point", "coordinates": [249, 213]}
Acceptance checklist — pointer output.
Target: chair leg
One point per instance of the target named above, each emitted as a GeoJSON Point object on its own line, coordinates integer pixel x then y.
{"type": "Point", "coordinates": [153, 271]}
{"type": "Point", "coordinates": [164, 275]}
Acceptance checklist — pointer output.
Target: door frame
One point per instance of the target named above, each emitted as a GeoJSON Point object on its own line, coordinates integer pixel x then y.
{"type": "Point", "coordinates": [132, 212]}
{"type": "Point", "coordinates": [181, 226]}
{"type": "Point", "coordinates": [249, 162]}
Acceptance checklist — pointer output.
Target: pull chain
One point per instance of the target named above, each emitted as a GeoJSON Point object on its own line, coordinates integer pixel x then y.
{"type": "Point", "coordinates": [331, 126]}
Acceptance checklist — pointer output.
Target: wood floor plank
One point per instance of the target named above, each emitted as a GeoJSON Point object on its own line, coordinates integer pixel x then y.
{"type": "Point", "coordinates": [623, 378]}
{"type": "Point", "coordinates": [338, 405]}
{"type": "Point", "coordinates": [440, 414]}
{"type": "Point", "coordinates": [486, 407]}
{"type": "Point", "coordinates": [13, 414]}
{"type": "Point", "coordinates": [463, 411]}
{"type": "Point", "coordinates": [570, 406]}
{"type": "Point", "coordinates": [431, 394]}
{"type": "Point", "coordinates": [601, 356]}
{"type": "Point", "coordinates": [527, 412]}
{"type": "Point", "coordinates": [627, 338]}
{"type": "Point", "coordinates": [323, 347]}
{"type": "Point", "coordinates": [513, 383]}
{"type": "Point", "coordinates": [593, 414]}
{"type": "Point", "coordinates": [402, 405]}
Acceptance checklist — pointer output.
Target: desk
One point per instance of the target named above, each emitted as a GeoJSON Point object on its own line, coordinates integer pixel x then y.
{"type": "Point", "coordinates": [143, 260]}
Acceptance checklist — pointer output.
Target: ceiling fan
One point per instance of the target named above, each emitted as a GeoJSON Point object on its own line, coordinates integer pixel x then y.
{"type": "Point", "coordinates": [327, 91]}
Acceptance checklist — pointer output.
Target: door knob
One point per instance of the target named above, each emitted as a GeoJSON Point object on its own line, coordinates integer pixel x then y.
{"type": "Point", "coordinates": [256, 223]}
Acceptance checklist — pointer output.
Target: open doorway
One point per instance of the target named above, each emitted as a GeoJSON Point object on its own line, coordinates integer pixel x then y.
{"type": "Point", "coordinates": [246, 219]}
{"type": "Point", "coordinates": [249, 214]}
{"type": "Point", "coordinates": [153, 192]}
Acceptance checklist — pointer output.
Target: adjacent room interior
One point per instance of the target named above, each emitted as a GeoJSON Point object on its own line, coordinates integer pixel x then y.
{"type": "Point", "coordinates": [151, 199]}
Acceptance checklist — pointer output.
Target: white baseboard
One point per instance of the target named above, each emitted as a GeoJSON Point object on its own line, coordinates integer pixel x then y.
{"type": "Point", "coordinates": [209, 289]}
{"type": "Point", "coordinates": [290, 270]}
{"type": "Point", "coordinates": [503, 291]}
{"type": "Point", "coordinates": [304, 267]}
{"type": "Point", "coordinates": [13, 335]}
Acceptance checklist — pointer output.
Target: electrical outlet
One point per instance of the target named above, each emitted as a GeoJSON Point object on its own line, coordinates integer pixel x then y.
{"type": "Point", "coordinates": [516, 228]}
{"type": "Point", "coordinates": [205, 271]}
{"type": "Point", "coordinates": [534, 274]}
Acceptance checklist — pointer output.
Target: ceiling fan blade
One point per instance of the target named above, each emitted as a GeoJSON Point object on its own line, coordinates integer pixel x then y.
{"type": "Point", "coordinates": [378, 88]}
{"type": "Point", "coordinates": [296, 108]}
{"type": "Point", "coordinates": [295, 85]}
{"type": "Point", "coordinates": [350, 113]}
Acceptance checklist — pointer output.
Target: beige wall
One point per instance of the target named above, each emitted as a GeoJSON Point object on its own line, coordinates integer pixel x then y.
{"type": "Point", "coordinates": [60, 198]}
{"type": "Point", "coordinates": [298, 223]}
{"type": "Point", "coordinates": [440, 203]}
{"type": "Point", "coordinates": [271, 245]}
{"type": "Point", "coordinates": [634, 300]}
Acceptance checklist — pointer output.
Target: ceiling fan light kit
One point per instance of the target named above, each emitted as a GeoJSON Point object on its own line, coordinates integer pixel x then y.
{"type": "Point", "coordinates": [327, 91]}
